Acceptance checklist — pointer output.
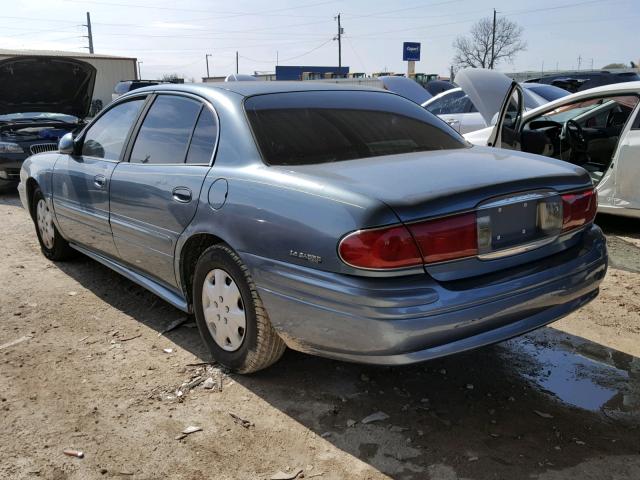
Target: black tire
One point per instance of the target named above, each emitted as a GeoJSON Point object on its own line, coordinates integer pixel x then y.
{"type": "Point", "coordinates": [261, 346]}
{"type": "Point", "coordinates": [58, 249]}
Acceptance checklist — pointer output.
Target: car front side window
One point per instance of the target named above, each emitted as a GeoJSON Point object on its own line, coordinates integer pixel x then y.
{"type": "Point", "coordinates": [106, 137]}
{"type": "Point", "coordinates": [166, 131]}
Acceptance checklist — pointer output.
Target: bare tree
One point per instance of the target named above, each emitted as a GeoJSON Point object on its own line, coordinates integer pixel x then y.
{"type": "Point", "coordinates": [475, 50]}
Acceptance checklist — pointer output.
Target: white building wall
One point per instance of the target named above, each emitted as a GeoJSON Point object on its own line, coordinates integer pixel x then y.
{"type": "Point", "coordinates": [109, 72]}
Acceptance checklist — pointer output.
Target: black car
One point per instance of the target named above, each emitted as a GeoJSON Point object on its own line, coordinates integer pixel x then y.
{"type": "Point", "coordinates": [41, 99]}
{"type": "Point", "coordinates": [578, 81]}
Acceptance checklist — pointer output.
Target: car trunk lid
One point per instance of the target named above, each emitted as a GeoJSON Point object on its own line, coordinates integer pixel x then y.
{"type": "Point", "coordinates": [503, 188]}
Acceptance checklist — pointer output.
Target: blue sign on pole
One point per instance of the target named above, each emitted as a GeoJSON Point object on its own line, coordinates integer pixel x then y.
{"type": "Point", "coordinates": [411, 51]}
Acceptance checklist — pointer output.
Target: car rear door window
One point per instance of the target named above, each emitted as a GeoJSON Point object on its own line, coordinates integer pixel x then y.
{"type": "Point", "coordinates": [301, 128]}
{"type": "Point", "coordinates": [166, 130]}
{"type": "Point", "coordinates": [106, 137]}
{"type": "Point", "coordinates": [448, 104]}
{"type": "Point", "coordinates": [203, 140]}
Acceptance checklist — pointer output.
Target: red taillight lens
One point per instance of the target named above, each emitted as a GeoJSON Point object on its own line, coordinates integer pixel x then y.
{"type": "Point", "coordinates": [447, 238]}
{"type": "Point", "coordinates": [579, 208]}
{"type": "Point", "coordinates": [438, 240]}
{"type": "Point", "coordinates": [381, 248]}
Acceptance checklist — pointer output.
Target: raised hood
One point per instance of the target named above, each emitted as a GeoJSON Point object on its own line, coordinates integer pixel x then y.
{"type": "Point", "coordinates": [46, 84]}
{"type": "Point", "coordinates": [486, 89]}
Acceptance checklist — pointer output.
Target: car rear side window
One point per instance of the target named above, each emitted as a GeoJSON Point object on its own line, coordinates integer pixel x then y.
{"type": "Point", "coordinates": [166, 130]}
{"type": "Point", "coordinates": [204, 138]}
{"type": "Point", "coordinates": [106, 137]}
{"type": "Point", "coordinates": [300, 128]}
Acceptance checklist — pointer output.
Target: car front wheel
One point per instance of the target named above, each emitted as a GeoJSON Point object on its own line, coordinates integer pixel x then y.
{"type": "Point", "coordinates": [53, 246]}
{"type": "Point", "coordinates": [229, 313]}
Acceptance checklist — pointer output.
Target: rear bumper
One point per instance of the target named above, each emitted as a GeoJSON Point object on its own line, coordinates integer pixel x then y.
{"type": "Point", "coordinates": [394, 321]}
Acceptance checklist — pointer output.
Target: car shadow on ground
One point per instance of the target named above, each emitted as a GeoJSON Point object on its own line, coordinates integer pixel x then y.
{"type": "Point", "coordinates": [494, 411]}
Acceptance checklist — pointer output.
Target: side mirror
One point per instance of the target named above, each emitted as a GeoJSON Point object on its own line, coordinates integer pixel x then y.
{"type": "Point", "coordinates": [66, 144]}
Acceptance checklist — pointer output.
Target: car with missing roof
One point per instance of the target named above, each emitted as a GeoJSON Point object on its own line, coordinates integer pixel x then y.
{"type": "Point", "coordinates": [41, 99]}
{"type": "Point", "coordinates": [339, 221]}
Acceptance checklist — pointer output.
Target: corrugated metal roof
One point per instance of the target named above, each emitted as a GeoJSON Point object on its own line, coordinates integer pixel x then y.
{"type": "Point", "coordinates": [58, 53]}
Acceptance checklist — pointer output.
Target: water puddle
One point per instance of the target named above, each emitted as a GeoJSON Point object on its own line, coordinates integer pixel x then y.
{"type": "Point", "coordinates": [585, 375]}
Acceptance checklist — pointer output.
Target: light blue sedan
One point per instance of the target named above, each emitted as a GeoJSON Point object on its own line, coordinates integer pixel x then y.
{"type": "Point", "coordinates": [344, 222]}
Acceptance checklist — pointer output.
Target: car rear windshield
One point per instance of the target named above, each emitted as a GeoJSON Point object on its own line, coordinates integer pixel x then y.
{"type": "Point", "coordinates": [301, 128]}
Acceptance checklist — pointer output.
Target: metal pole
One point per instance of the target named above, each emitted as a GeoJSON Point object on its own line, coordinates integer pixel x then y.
{"type": "Point", "coordinates": [236, 62]}
{"type": "Point", "coordinates": [277, 57]}
{"type": "Point", "coordinates": [206, 58]}
{"type": "Point", "coordinates": [339, 46]}
{"type": "Point", "coordinates": [139, 69]}
{"type": "Point", "coordinates": [493, 38]}
{"type": "Point", "coordinates": [89, 34]}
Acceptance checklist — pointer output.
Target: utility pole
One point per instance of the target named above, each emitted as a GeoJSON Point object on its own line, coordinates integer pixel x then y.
{"type": "Point", "coordinates": [139, 70]}
{"type": "Point", "coordinates": [206, 59]}
{"type": "Point", "coordinates": [542, 69]}
{"type": "Point", "coordinates": [236, 62]}
{"type": "Point", "coordinates": [339, 38]}
{"type": "Point", "coordinates": [89, 34]}
{"type": "Point", "coordinates": [579, 61]}
{"type": "Point", "coordinates": [277, 56]}
{"type": "Point", "coordinates": [493, 38]}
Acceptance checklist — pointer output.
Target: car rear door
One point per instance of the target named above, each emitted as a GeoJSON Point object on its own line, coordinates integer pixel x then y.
{"type": "Point", "coordinates": [154, 194]}
{"type": "Point", "coordinates": [81, 182]}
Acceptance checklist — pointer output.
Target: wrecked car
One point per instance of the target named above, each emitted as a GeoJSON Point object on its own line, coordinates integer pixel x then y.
{"type": "Point", "coordinates": [597, 129]}
{"type": "Point", "coordinates": [41, 99]}
{"type": "Point", "coordinates": [339, 221]}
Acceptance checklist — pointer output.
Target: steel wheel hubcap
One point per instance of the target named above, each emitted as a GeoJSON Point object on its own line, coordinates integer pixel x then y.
{"type": "Point", "coordinates": [45, 223]}
{"type": "Point", "coordinates": [224, 310]}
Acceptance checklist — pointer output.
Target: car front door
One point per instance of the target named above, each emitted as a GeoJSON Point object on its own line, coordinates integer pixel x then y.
{"type": "Point", "coordinates": [81, 181]}
{"type": "Point", "coordinates": [627, 166]}
{"type": "Point", "coordinates": [154, 195]}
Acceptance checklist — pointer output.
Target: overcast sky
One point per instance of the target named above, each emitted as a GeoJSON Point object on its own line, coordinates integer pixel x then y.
{"type": "Point", "coordinates": [173, 37]}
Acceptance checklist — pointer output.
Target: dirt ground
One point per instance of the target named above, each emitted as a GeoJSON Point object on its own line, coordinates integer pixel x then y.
{"type": "Point", "coordinates": [82, 366]}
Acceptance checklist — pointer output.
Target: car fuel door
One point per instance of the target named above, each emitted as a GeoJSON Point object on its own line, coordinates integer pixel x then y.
{"type": "Point", "coordinates": [507, 130]}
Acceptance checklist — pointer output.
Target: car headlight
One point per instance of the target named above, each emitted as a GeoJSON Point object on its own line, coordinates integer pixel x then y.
{"type": "Point", "coordinates": [8, 147]}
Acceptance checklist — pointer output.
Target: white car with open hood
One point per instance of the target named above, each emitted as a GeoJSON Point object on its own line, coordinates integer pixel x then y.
{"type": "Point", "coordinates": [597, 129]}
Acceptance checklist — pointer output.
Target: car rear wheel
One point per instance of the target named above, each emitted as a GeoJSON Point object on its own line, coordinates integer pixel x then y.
{"type": "Point", "coordinates": [53, 246]}
{"type": "Point", "coordinates": [229, 313]}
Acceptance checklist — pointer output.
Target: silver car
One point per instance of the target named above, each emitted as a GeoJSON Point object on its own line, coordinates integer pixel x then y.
{"type": "Point", "coordinates": [344, 222]}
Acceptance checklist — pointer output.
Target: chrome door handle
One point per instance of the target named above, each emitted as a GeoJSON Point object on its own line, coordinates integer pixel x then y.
{"type": "Point", "coordinates": [181, 194]}
{"type": "Point", "coordinates": [99, 181]}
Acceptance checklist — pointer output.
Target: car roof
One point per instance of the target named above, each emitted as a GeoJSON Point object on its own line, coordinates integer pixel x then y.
{"type": "Point", "coordinates": [247, 89]}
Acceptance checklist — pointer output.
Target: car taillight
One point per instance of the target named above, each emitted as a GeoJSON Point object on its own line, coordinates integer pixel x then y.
{"type": "Point", "coordinates": [380, 248]}
{"type": "Point", "coordinates": [579, 208]}
{"type": "Point", "coordinates": [447, 238]}
{"type": "Point", "coordinates": [398, 246]}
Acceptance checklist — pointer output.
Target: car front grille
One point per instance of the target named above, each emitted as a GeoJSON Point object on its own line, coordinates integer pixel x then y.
{"type": "Point", "coordinates": [43, 147]}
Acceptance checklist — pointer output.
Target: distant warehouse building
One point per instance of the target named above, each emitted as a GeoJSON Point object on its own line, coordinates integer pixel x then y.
{"type": "Point", "coordinates": [290, 72]}
{"type": "Point", "coordinates": [110, 69]}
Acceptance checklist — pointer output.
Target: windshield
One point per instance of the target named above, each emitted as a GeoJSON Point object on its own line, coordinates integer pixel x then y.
{"type": "Point", "coordinates": [301, 128]}
{"type": "Point", "coordinates": [39, 116]}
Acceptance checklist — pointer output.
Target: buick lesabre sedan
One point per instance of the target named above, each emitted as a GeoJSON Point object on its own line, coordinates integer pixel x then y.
{"type": "Point", "coordinates": [348, 223]}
